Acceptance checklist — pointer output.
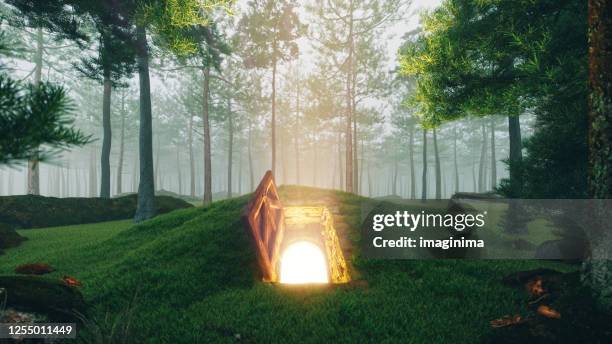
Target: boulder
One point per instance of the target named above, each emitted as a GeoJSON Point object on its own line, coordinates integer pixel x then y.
{"type": "Point", "coordinates": [9, 237]}
{"type": "Point", "coordinates": [52, 297]}
{"type": "Point", "coordinates": [31, 211]}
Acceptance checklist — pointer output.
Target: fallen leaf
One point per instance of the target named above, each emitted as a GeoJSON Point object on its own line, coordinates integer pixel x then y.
{"type": "Point", "coordinates": [548, 312]}
{"type": "Point", "coordinates": [34, 269]}
{"type": "Point", "coordinates": [507, 320]}
{"type": "Point", "coordinates": [71, 281]}
{"type": "Point", "coordinates": [535, 288]}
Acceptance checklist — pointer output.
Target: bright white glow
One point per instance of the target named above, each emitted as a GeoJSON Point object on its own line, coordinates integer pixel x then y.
{"type": "Point", "coordinates": [303, 262]}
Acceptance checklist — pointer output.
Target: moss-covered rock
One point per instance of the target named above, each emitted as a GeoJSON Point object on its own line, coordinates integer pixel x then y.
{"type": "Point", "coordinates": [30, 211]}
{"type": "Point", "coordinates": [51, 297]}
{"type": "Point", "coordinates": [9, 237]}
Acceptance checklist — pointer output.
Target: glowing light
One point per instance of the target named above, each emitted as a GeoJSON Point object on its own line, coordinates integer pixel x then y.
{"type": "Point", "coordinates": [303, 262]}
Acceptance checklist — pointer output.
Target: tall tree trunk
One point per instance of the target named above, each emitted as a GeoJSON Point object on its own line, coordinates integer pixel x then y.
{"type": "Point", "coordinates": [156, 173]}
{"type": "Point", "coordinates": [192, 180]}
{"type": "Point", "coordinates": [146, 188]}
{"type": "Point", "coordinates": [135, 175]}
{"type": "Point", "coordinates": [359, 166]}
{"type": "Point", "coordinates": [424, 177]}
{"type": "Point", "coordinates": [438, 169]}
{"type": "Point", "coordinates": [121, 147]}
{"type": "Point", "coordinates": [349, 107]}
{"type": "Point", "coordinates": [230, 148]}
{"type": "Point", "coordinates": [369, 181]}
{"type": "Point", "coordinates": [106, 139]}
{"type": "Point", "coordinates": [93, 175]}
{"type": "Point", "coordinates": [207, 153]}
{"type": "Point", "coordinates": [314, 164]}
{"type": "Point", "coordinates": [239, 168]}
{"type": "Point", "coordinates": [474, 184]}
{"type": "Point", "coordinates": [249, 146]}
{"type": "Point", "coordinates": [340, 160]}
{"type": "Point", "coordinates": [481, 166]}
{"type": "Point", "coordinates": [597, 271]}
{"type": "Point", "coordinates": [395, 173]}
{"type": "Point", "coordinates": [296, 136]}
{"type": "Point", "coordinates": [355, 150]}
{"type": "Point", "coordinates": [493, 159]}
{"type": "Point", "coordinates": [33, 166]}
{"type": "Point", "coordinates": [516, 155]}
{"type": "Point", "coordinates": [178, 170]}
{"type": "Point", "coordinates": [455, 160]}
{"type": "Point", "coordinates": [77, 179]}
{"type": "Point", "coordinates": [412, 172]}
{"type": "Point", "coordinates": [10, 182]}
{"type": "Point", "coordinates": [273, 122]}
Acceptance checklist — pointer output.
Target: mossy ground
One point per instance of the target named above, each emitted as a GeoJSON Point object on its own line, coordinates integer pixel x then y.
{"type": "Point", "coordinates": [190, 276]}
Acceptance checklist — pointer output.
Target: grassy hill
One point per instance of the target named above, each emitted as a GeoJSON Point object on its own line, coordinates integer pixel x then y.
{"type": "Point", "coordinates": [190, 276]}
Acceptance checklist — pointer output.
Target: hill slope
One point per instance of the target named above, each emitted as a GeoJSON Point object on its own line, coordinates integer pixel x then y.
{"type": "Point", "coordinates": [189, 276]}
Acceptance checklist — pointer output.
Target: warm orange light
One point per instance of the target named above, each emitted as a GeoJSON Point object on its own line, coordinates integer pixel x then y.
{"type": "Point", "coordinates": [303, 262]}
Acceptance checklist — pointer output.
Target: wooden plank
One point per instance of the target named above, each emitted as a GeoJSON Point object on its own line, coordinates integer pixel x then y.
{"type": "Point", "coordinates": [263, 219]}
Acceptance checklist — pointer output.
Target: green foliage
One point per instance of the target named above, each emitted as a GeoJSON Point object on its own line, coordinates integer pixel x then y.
{"type": "Point", "coordinates": [510, 57]}
{"type": "Point", "coordinates": [483, 57]}
{"type": "Point", "coordinates": [35, 121]}
{"type": "Point", "coordinates": [174, 21]}
{"type": "Point", "coordinates": [267, 33]}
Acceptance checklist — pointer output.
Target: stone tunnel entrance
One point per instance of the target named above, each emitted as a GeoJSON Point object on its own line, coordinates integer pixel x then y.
{"type": "Point", "coordinates": [294, 245]}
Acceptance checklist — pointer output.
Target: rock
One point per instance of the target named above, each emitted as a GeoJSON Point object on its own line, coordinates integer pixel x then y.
{"type": "Point", "coordinates": [564, 249]}
{"type": "Point", "coordinates": [9, 237]}
{"type": "Point", "coordinates": [34, 269]}
{"type": "Point", "coordinates": [33, 211]}
{"type": "Point", "coordinates": [522, 277]}
{"type": "Point", "coordinates": [51, 297]}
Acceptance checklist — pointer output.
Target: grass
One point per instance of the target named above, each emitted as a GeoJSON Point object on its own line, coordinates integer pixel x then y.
{"type": "Point", "coordinates": [190, 276]}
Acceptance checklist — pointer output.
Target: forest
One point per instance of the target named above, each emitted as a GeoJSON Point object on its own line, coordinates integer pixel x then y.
{"type": "Point", "coordinates": [148, 106]}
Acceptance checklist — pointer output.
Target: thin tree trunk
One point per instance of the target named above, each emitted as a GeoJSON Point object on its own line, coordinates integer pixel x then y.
{"type": "Point", "coordinates": [516, 155]}
{"type": "Point", "coordinates": [146, 188]}
{"type": "Point", "coordinates": [106, 140]}
{"type": "Point", "coordinates": [273, 122]}
{"type": "Point", "coordinates": [192, 180]}
{"type": "Point", "coordinates": [369, 181]}
{"type": "Point", "coordinates": [178, 170]}
{"type": "Point", "coordinates": [314, 164]}
{"type": "Point", "coordinates": [360, 167]}
{"type": "Point", "coordinates": [493, 159]}
{"type": "Point", "coordinates": [135, 175]}
{"type": "Point", "coordinates": [456, 167]}
{"type": "Point", "coordinates": [355, 150]}
{"type": "Point", "coordinates": [121, 147]}
{"type": "Point", "coordinates": [251, 172]}
{"type": "Point", "coordinates": [394, 189]}
{"type": "Point", "coordinates": [481, 166]}
{"type": "Point", "coordinates": [207, 152]}
{"type": "Point", "coordinates": [230, 148]}
{"type": "Point", "coordinates": [474, 184]}
{"type": "Point", "coordinates": [424, 177]}
{"type": "Point", "coordinates": [296, 136]}
{"type": "Point", "coordinates": [412, 172]}
{"type": "Point", "coordinates": [340, 160]}
{"type": "Point", "coordinates": [33, 166]}
{"type": "Point", "coordinates": [240, 169]}
{"type": "Point", "coordinates": [597, 270]}
{"type": "Point", "coordinates": [157, 173]}
{"type": "Point", "coordinates": [93, 175]}
{"type": "Point", "coordinates": [438, 169]}
{"type": "Point", "coordinates": [349, 107]}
